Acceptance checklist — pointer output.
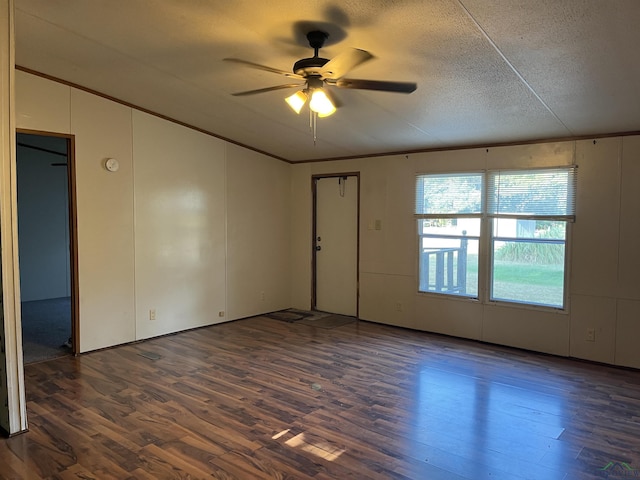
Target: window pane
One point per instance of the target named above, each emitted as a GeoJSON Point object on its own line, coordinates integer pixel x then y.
{"type": "Point", "coordinates": [440, 194]}
{"type": "Point", "coordinates": [449, 255]}
{"type": "Point", "coordinates": [529, 261]}
{"type": "Point", "coordinates": [544, 192]}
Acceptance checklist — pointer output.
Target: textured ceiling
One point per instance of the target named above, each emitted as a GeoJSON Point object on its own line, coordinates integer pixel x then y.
{"type": "Point", "coordinates": [488, 71]}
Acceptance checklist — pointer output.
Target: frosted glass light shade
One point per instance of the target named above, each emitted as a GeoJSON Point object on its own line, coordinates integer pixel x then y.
{"type": "Point", "coordinates": [297, 101]}
{"type": "Point", "coordinates": [321, 103]}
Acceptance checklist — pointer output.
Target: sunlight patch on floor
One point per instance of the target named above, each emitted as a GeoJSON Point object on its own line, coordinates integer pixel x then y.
{"type": "Point", "coordinates": [278, 435]}
{"type": "Point", "coordinates": [320, 449]}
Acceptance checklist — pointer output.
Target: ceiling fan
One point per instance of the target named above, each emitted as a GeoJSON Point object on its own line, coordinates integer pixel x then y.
{"type": "Point", "coordinates": [318, 72]}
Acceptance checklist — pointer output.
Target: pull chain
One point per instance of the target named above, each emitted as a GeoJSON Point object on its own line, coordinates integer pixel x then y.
{"type": "Point", "coordinates": [313, 125]}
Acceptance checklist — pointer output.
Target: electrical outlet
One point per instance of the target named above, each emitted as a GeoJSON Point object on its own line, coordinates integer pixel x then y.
{"type": "Point", "coordinates": [262, 296]}
{"type": "Point", "coordinates": [398, 307]}
{"type": "Point", "coordinates": [221, 313]}
{"type": "Point", "coordinates": [591, 334]}
{"type": "Point", "coordinates": [152, 314]}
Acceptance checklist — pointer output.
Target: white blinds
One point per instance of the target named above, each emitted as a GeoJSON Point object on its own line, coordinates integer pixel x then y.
{"type": "Point", "coordinates": [449, 194]}
{"type": "Point", "coordinates": [539, 193]}
{"type": "Point", "coordinates": [545, 193]}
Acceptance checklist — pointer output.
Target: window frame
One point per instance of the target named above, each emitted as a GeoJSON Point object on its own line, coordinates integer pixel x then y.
{"type": "Point", "coordinates": [421, 216]}
{"type": "Point", "coordinates": [486, 239]}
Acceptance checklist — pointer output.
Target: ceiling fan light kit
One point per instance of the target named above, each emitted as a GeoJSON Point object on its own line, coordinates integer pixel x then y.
{"type": "Point", "coordinates": [319, 101]}
{"type": "Point", "coordinates": [318, 73]}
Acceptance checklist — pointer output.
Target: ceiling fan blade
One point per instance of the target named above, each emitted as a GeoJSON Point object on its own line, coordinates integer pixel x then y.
{"type": "Point", "coordinates": [268, 89]}
{"type": "Point", "coordinates": [261, 67]}
{"type": "Point", "coordinates": [339, 65]}
{"type": "Point", "coordinates": [383, 86]}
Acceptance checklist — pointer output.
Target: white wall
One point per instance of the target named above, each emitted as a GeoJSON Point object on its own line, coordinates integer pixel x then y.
{"type": "Point", "coordinates": [604, 257]}
{"type": "Point", "coordinates": [179, 226]}
{"type": "Point", "coordinates": [102, 130]}
{"type": "Point", "coordinates": [153, 235]}
{"type": "Point", "coordinates": [258, 242]}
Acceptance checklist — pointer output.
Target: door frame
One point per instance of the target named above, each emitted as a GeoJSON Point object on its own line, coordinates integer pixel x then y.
{"type": "Point", "coordinates": [314, 234]}
{"type": "Point", "coordinates": [73, 230]}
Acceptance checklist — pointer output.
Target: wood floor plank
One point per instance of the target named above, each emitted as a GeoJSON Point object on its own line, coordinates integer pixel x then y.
{"type": "Point", "coordinates": [12, 467]}
{"type": "Point", "coordinates": [261, 398]}
{"type": "Point", "coordinates": [195, 451]}
{"type": "Point", "coordinates": [75, 472]}
{"type": "Point", "coordinates": [210, 425]}
{"type": "Point", "coordinates": [170, 462]}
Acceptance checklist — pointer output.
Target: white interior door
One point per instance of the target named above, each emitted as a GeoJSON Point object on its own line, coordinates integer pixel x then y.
{"type": "Point", "coordinates": [336, 245]}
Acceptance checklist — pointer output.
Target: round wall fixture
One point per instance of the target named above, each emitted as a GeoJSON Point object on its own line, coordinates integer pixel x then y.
{"type": "Point", "coordinates": [111, 164]}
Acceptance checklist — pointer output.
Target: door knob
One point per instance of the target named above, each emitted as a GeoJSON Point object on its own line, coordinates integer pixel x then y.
{"type": "Point", "coordinates": [318, 248]}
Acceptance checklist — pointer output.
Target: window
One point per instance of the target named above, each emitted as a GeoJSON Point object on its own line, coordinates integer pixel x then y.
{"type": "Point", "coordinates": [529, 212]}
{"type": "Point", "coordinates": [449, 211]}
{"type": "Point", "coordinates": [524, 220]}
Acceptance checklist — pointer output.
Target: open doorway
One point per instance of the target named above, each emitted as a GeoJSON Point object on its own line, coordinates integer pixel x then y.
{"type": "Point", "coordinates": [46, 239]}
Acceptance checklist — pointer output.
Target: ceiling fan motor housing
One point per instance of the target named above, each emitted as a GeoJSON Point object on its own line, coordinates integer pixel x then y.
{"type": "Point", "coordinates": [309, 66]}
{"type": "Point", "coordinates": [312, 66]}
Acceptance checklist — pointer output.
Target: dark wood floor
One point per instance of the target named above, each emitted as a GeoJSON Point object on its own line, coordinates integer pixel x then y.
{"type": "Point", "coordinates": [261, 398]}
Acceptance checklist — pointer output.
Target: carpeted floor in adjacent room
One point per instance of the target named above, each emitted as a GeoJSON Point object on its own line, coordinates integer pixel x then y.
{"type": "Point", "coordinates": [46, 329]}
